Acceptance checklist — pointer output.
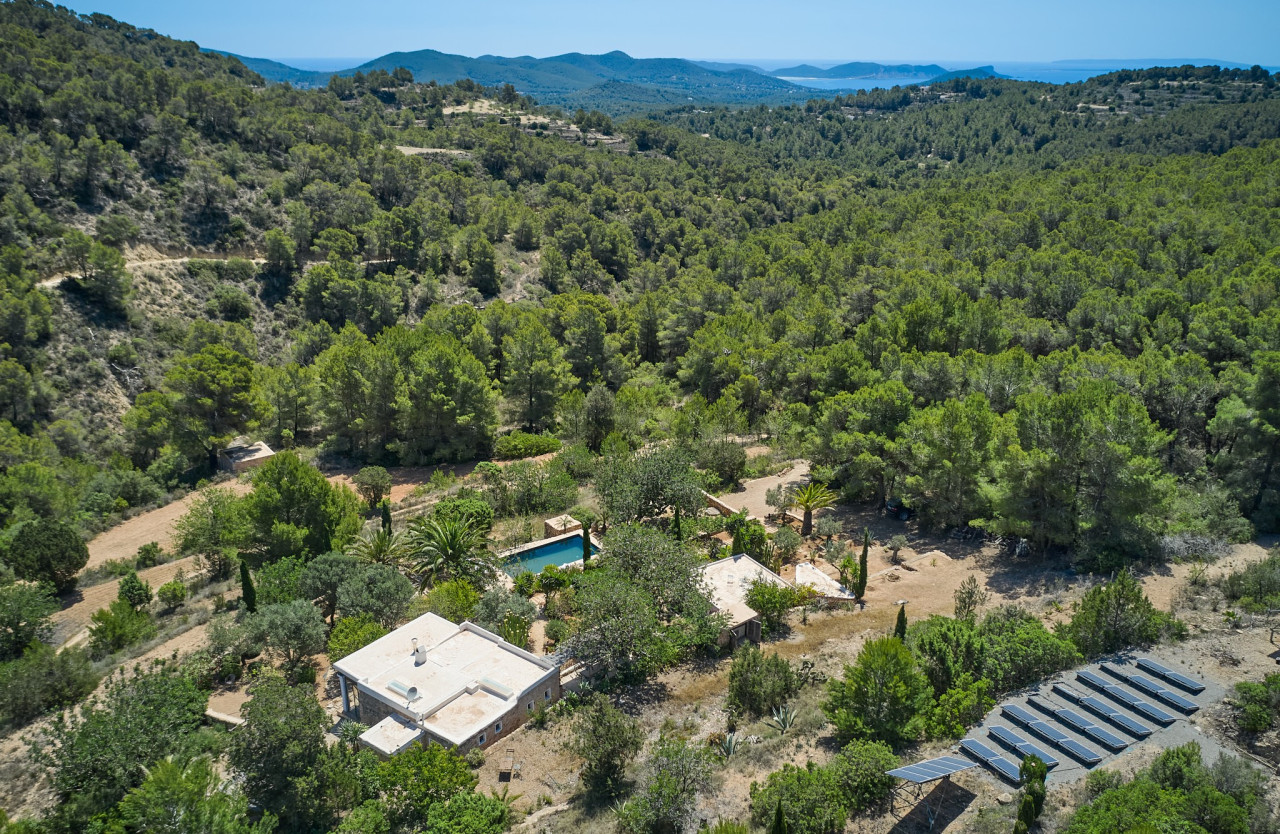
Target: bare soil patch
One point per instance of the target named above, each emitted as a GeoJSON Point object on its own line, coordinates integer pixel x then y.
{"type": "Point", "coordinates": [70, 623]}
{"type": "Point", "coordinates": [123, 540]}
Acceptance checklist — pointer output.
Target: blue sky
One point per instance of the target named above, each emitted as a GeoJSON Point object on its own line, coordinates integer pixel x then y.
{"type": "Point", "coordinates": [951, 32]}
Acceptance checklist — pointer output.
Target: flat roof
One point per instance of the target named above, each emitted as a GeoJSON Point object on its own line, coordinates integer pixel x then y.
{"type": "Point", "coordinates": [729, 580]}
{"type": "Point", "coordinates": [246, 452]}
{"type": "Point", "coordinates": [391, 735]}
{"type": "Point", "coordinates": [461, 679]}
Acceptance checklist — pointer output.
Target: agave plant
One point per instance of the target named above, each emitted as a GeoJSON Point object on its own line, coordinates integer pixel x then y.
{"type": "Point", "coordinates": [784, 717]}
{"type": "Point", "coordinates": [729, 745]}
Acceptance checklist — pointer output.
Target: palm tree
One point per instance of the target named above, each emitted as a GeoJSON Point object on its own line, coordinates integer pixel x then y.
{"type": "Point", "coordinates": [812, 496]}
{"type": "Point", "coordinates": [380, 548]}
{"type": "Point", "coordinates": [438, 550]}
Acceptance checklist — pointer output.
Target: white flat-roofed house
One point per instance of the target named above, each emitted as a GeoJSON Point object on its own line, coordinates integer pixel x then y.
{"type": "Point", "coordinates": [432, 680]}
{"type": "Point", "coordinates": [729, 580]}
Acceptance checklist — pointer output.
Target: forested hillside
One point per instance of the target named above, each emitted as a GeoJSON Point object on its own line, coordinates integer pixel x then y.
{"type": "Point", "coordinates": [1004, 302]}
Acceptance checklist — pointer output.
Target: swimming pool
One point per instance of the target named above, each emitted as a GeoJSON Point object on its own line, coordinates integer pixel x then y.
{"type": "Point", "coordinates": [558, 551]}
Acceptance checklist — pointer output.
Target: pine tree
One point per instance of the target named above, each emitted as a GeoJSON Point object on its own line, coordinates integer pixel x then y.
{"type": "Point", "coordinates": [247, 592]}
{"type": "Point", "coordinates": [860, 586]}
{"type": "Point", "coordinates": [900, 628]}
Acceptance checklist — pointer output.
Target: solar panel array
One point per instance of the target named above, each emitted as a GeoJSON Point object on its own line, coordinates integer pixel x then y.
{"type": "Point", "coordinates": [1052, 734]}
{"type": "Point", "coordinates": [1113, 728]}
{"type": "Point", "coordinates": [1177, 679]}
{"type": "Point", "coordinates": [1101, 708]}
{"type": "Point", "coordinates": [1002, 766]}
{"type": "Point", "coordinates": [931, 769]}
{"type": "Point", "coordinates": [1021, 746]}
{"type": "Point", "coordinates": [1131, 701]}
{"type": "Point", "coordinates": [1152, 688]}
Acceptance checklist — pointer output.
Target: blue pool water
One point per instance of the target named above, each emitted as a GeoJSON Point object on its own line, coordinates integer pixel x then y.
{"type": "Point", "coordinates": [536, 558]}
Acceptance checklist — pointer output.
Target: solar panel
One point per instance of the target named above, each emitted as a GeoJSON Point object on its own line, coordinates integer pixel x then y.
{"type": "Point", "coordinates": [1124, 722]}
{"type": "Point", "coordinates": [1002, 766]}
{"type": "Point", "coordinates": [1154, 689]}
{"type": "Point", "coordinates": [1018, 714]}
{"type": "Point", "coordinates": [1190, 684]}
{"type": "Point", "coordinates": [931, 769]}
{"type": "Point", "coordinates": [1107, 739]}
{"type": "Point", "coordinates": [1067, 692]}
{"type": "Point", "coordinates": [1051, 734]}
{"type": "Point", "coordinates": [1131, 701]}
{"type": "Point", "coordinates": [1021, 746]}
{"type": "Point", "coordinates": [1094, 680]}
{"type": "Point", "coordinates": [1081, 752]}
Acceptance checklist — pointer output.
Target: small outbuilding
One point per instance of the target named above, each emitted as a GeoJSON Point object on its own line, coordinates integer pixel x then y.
{"type": "Point", "coordinates": [241, 456]}
{"type": "Point", "coordinates": [560, 525]}
{"type": "Point", "coordinates": [729, 580]}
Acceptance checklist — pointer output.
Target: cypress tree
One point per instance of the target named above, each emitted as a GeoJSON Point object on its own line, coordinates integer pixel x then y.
{"type": "Point", "coordinates": [386, 516]}
{"type": "Point", "coordinates": [247, 592]}
{"type": "Point", "coordinates": [779, 822]}
{"type": "Point", "coordinates": [900, 628]}
{"type": "Point", "coordinates": [586, 546]}
{"type": "Point", "coordinates": [860, 586]}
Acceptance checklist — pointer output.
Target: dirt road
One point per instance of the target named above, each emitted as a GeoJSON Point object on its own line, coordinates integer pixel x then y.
{"type": "Point", "coordinates": [752, 495]}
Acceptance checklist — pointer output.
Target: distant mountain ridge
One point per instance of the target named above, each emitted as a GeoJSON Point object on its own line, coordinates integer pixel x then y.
{"type": "Point", "coordinates": [570, 78]}
{"type": "Point", "coordinates": [860, 69]}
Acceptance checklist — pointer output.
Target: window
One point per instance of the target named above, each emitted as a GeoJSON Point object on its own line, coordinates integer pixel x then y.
{"type": "Point", "coordinates": [546, 695]}
{"type": "Point", "coordinates": [531, 706]}
{"type": "Point", "coordinates": [480, 740]}
{"type": "Point", "coordinates": [497, 728]}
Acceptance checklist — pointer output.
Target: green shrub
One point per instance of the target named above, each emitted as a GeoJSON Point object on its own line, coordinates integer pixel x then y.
{"type": "Point", "coordinates": [150, 555]}
{"type": "Point", "coordinates": [172, 594]}
{"type": "Point", "coordinates": [134, 591]}
{"type": "Point", "coordinates": [557, 631]}
{"type": "Point", "coordinates": [810, 798]}
{"type": "Point", "coordinates": [25, 608]}
{"type": "Point", "coordinates": [1017, 650]}
{"type": "Point", "coordinates": [1098, 782]}
{"type": "Point", "coordinates": [859, 771]}
{"type": "Point", "coordinates": [41, 680]}
{"type": "Point", "coordinates": [521, 444]}
{"type": "Point", "coordinates": [879, 695]}
{"type": "Point", "coordinates": [475, 510]}
{"type": "Point", "coordinates": [760, 682]}
{"type": "Point", "coordinates": [525, 583]}
{"type": "Point", "coordinates": [607, 739]}
{"type": "Point", "coordinates": [1116, 616]}
{"type": "Point", "coordinates": [454, 600]}
{"type": "Point", "coordinates": [118, 626]}
{"type": "Point", "coordinates": [1259, 583]}
{"type": "Point", "coordinates": [772, 602]}
{"type": "Point", "coordinates": [353, 633]}
{"type": "Point", "coordinates": [724, 459]}
{"type": "Point", "coordinates": [961, 706]}
{"type": "Point", "coordinates": [1257, 704]}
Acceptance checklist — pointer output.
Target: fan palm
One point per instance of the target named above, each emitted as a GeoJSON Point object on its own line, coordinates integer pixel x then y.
{"type": "Point", "coordinates": [438, 550]}
{"type": "Point", "coordinates": [811, 497]}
